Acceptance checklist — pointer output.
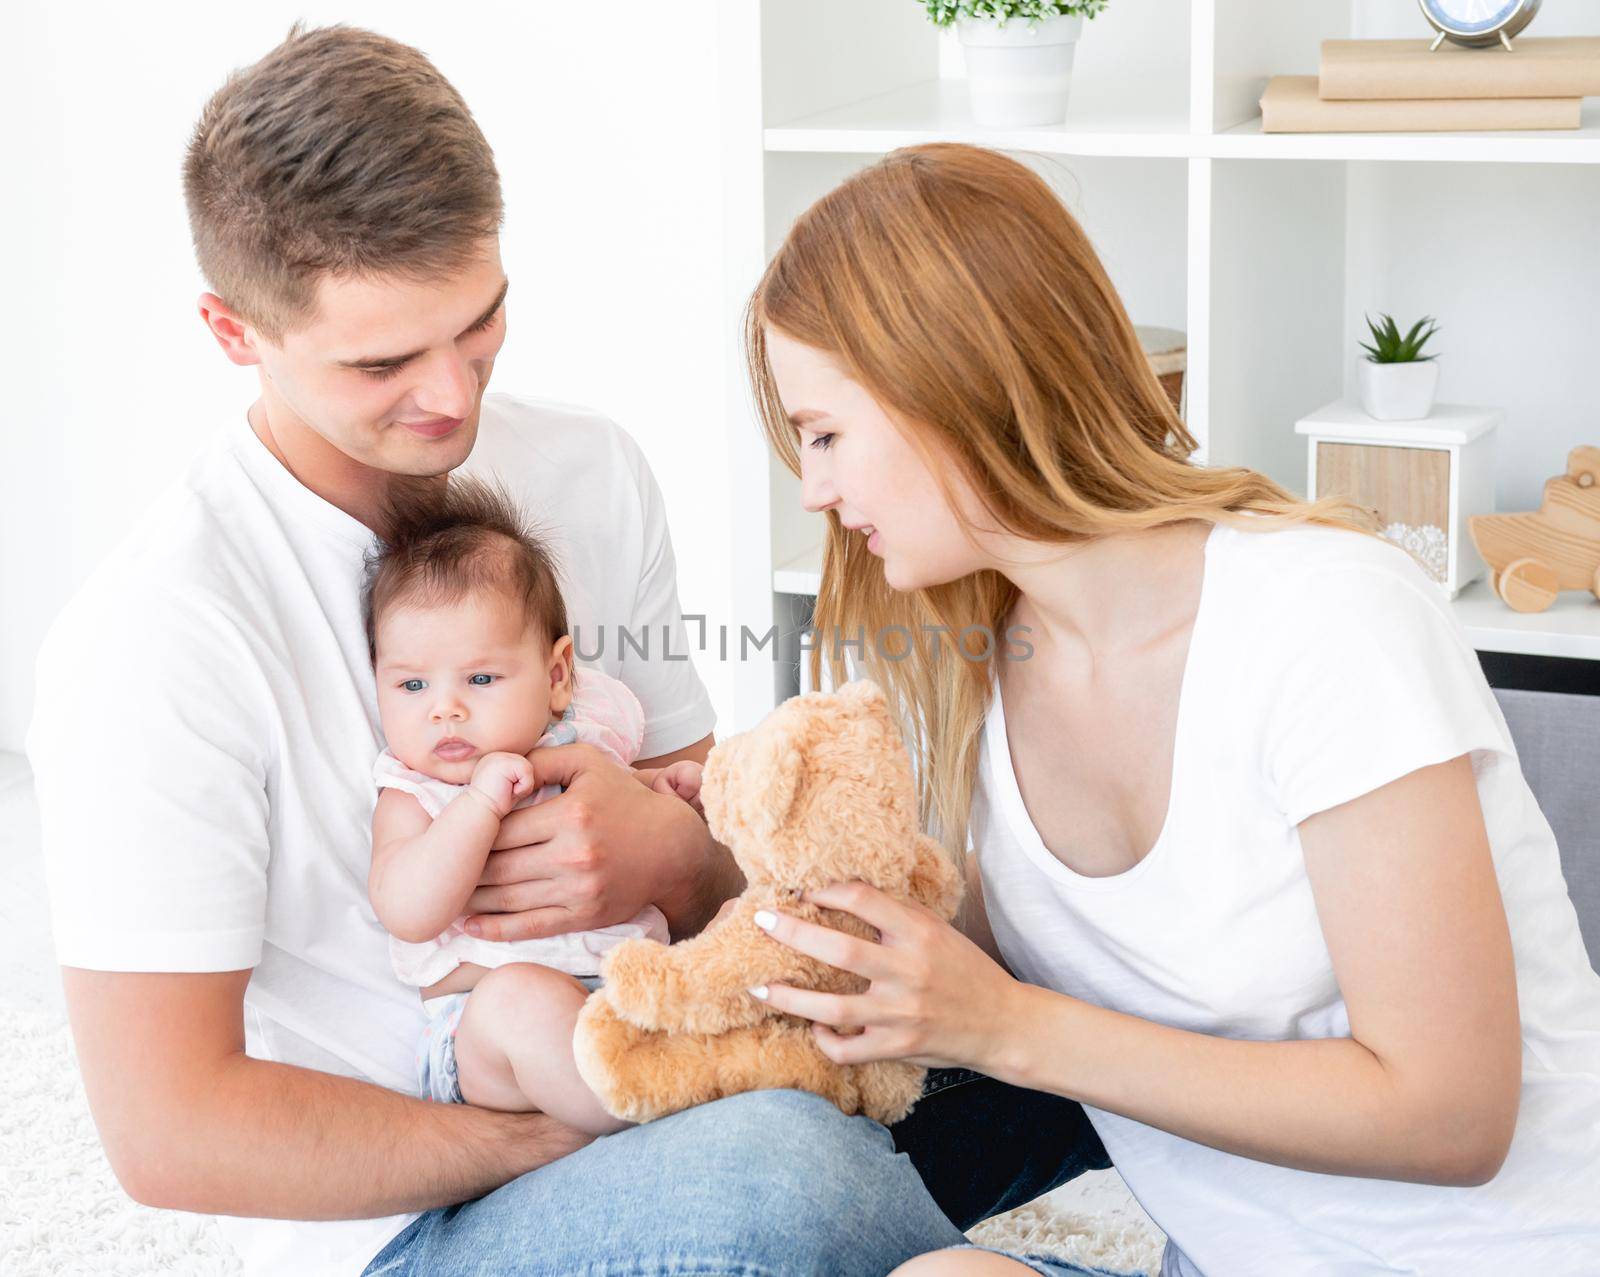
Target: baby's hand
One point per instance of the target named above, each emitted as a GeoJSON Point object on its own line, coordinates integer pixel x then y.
{"type": "Point", "coordinates": [681, 778]}
{"type": "Point", "coordinates": [503, 780]}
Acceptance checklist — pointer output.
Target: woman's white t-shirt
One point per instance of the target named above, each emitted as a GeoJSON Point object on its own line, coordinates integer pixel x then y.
{"type": "Point", "coordinates": [1323, 664]}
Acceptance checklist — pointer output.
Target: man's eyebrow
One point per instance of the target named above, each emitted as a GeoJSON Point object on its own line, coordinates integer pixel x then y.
{"type": "Point", "coordinates": [806, 415]}
{"type": "Point", "coordinates": [391, 361]}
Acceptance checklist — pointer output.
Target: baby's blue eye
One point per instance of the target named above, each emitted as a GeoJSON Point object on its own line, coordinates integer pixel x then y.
{"type": "Point", "coordinates": [481, 680]}
{"type": "Point", "coordinates": [413, 685]}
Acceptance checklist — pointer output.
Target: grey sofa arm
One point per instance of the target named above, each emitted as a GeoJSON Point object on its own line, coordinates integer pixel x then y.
{"type": "Point", "coordinates": [1558, 740]}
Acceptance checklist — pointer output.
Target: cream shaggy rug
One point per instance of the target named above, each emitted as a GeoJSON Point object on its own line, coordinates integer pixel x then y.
{"type": "Point", "coordinates": [63, 1214]}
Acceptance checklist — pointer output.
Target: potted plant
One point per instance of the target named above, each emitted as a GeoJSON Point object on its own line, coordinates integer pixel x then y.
{"type": "Point", "coordinates": [1397, 379]}
{"type": "Point", "coordinates": [1019, 55]}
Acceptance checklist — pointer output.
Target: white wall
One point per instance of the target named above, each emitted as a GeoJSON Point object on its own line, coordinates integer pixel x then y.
{"type": "Point", "coordinates": [607, 132]}
{"type": "Point", "coordinates": [1505, 256]}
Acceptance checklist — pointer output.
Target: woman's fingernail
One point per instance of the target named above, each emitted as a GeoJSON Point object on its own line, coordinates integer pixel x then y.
{"type": "Point", "coordinates": [473, 929]}
{"type": "Point", "coordinates": [760, 991]}
{"type": "Point", "coordinates": [765, 919]}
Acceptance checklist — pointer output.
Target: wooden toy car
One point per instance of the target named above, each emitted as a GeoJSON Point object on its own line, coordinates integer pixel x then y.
{"type": "Point", "coordinates": [1533, 557]}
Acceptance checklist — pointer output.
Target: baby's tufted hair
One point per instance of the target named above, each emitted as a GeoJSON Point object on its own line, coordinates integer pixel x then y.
{"type": "Point", "coordinates": [442, 543]}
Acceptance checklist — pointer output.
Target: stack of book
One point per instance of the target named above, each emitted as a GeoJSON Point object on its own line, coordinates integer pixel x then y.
{"type": "Point", "coordinates": [1398, 86]}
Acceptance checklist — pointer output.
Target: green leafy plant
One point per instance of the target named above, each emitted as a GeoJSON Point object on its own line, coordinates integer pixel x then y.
{"type": "Point", "coordinates": [943, 12]}
{"type": "Point", "coordinates": [1391, 347]}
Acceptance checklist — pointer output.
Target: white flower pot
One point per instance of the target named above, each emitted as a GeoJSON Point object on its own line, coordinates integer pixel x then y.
{"type": "Point", "coordinates": [1019, 75]}
{"type": "Point", "coordinates": [1398, 392]}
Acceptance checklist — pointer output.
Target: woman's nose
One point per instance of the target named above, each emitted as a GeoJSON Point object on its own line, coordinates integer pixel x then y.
{"type": "Point", "coordinates": [816, 493]}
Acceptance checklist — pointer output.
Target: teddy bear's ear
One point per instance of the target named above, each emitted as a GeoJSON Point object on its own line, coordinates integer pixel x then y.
{"type": "Point", "coordinates": [935, 882]}
{"type": "Point", "coordinates": [774, 777]}
{"type": "Point", "coordinates": [864, 691]}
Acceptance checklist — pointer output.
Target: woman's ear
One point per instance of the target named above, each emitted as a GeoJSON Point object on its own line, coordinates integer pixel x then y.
{"type": "Point", "coordinates": [560, 676]}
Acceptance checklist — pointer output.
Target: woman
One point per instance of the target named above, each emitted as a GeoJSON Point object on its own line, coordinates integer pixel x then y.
{"type": "Point", "coordinates": [1254, 873]}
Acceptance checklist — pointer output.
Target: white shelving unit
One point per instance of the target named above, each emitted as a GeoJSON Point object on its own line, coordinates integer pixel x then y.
{"type": "Point", "coordinates": [1265, 249]}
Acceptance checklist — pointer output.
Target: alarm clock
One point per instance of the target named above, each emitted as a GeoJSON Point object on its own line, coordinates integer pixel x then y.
{"type": "Point", "coordinates": [1478, 23]}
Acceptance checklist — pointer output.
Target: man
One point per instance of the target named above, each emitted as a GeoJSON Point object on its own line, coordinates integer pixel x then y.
{"type": "Point", "coordinates": [205, 728]}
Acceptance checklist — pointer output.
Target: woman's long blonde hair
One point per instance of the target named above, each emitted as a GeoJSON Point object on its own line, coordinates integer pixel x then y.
{"type": "Point", "coordinates": [952, 284]}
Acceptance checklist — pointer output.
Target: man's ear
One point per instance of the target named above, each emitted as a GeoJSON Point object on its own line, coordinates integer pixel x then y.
{"type": "Point", "coordinates": [561, 681]}
{"type": "Point", "coordinates": [237, 339]}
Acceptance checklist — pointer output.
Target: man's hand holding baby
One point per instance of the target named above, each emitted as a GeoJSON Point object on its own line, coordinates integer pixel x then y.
{"type": "Point", "coordinates": [591, 856]}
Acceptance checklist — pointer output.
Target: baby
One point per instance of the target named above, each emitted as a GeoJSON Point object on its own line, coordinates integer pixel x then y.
{"type": "Point", "coordinates": [467, 630]}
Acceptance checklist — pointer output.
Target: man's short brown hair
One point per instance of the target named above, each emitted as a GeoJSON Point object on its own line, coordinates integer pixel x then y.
{"type": "Point", "coordinates": [340, 152]}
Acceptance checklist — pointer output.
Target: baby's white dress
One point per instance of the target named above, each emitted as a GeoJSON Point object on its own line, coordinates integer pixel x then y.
{"type": "Point", "coordinates": [605, 713]}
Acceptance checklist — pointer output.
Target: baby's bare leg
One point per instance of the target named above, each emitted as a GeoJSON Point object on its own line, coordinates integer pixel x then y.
{"type": "Point", "coordinates": [514, 1047]}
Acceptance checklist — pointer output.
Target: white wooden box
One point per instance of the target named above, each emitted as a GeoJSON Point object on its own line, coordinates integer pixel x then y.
{"type": "Point", "coordinates": [1422, 478]}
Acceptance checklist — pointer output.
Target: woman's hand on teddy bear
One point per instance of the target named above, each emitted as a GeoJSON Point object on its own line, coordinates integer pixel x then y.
{"type": "Point", "coordinates": [934, 997]}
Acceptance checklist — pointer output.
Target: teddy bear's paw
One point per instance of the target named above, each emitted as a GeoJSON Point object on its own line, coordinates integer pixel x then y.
{"type": "Point", "coordinates": [688, 1010]}
{"type": "Point", "coordinates": [638, 1075]}
{"type": "Point", "coordinates": [889, 1088]}
{"type": "Point", "coordinates": [674, 995]}
{"type": "Point", "coordinates": [595, 1046]}
{"type": "Point", "coordinates": [639, 981]}
{"type": "Point", "coordinates": [695, 986]}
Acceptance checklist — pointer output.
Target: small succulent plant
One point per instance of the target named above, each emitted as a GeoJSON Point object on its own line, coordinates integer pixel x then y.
{"type": "Point", "coordinates": [944, 12]}
{"type": "Point", "coordinates": [1391, 347]}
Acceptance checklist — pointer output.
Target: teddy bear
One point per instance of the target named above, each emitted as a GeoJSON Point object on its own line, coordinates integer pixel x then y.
{"type": "Point", "coordinates": [819, 791]}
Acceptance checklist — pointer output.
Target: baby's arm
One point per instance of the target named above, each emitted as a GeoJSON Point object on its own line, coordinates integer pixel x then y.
{"type": "Point", "coordinates": [424, 871]}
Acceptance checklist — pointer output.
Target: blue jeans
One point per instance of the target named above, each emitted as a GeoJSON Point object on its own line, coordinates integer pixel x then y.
{"type": "Point", "coordinates": [764, 1184]}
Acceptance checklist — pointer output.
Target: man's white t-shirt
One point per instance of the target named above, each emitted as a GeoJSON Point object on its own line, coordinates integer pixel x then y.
{"type": "Point", "coordinates": [205, 726]}
{"type": "Point", "coordinates": [1323, 664]}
